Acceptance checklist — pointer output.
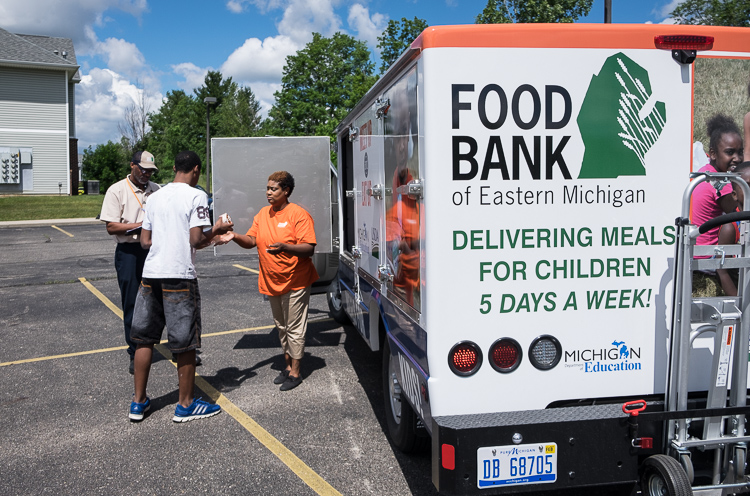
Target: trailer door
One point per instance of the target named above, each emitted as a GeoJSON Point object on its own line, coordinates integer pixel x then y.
{"type": "Point", "coordinates": [403, 201]}
{"type": "Point", "coordinates": [367, 152]}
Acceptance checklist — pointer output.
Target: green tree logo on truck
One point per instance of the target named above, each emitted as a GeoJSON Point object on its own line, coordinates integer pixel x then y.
{"type": "Point", "coordinates": [618, 121]}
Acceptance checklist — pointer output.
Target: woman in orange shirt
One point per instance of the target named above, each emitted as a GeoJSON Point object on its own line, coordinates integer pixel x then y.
{"type": "Point", "coordinates": [285, 236]}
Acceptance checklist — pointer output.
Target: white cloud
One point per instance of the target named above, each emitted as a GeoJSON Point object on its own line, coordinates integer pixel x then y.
{"type": "Point", "coordinates": [105, 93]}
{"type": "Point", "coordinates": [238, 6]}
{"type": "Point", "coordinates": [258, 60]}
{"type": "Point", "coordinates": [120, 55]}
{"type": "Point", "coordinates": [103, 96]}
{"type": "Point", "coordinates": [304, 17]}
{"type": "Point", "coordinates": [667, 9]}
{"type": "Point", "coordinates": [264, 94]}
{"type": "Point", "coordinates": [194, 76]}
{"type": "Point", "coordinates": [368, 27]}
{"type": "Point", "coordinates": [63, 19]}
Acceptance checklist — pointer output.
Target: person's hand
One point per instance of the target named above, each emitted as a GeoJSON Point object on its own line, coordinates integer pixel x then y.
{"type": "Point", "coordinates": [223, 239]}
{"type": "Point", "coordinates": [276, 248]}
{"type": "Point", "coordinates": [224, 224]}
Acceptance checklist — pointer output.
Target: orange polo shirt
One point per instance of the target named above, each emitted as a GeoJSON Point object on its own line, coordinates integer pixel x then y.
{"type": "Point", "coordinates": [282, 273]}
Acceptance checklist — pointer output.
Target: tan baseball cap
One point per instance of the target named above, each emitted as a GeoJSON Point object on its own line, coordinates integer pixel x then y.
{"type": "Point", "coordinates": [145, 160]}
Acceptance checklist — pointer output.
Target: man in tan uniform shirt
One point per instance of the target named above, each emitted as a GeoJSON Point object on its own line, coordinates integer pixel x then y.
{"type": "Point", "coordinates": [122, 211]}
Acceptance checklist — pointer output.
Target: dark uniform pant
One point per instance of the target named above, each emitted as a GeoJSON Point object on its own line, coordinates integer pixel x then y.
{"type": "Point", "coordinates": [129, 260]}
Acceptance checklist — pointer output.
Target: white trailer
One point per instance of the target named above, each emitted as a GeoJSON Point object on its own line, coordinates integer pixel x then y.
{"type": "Point", "coordinates": [507, 238]}
{"type": "Point", "coordinates": [241, 167]}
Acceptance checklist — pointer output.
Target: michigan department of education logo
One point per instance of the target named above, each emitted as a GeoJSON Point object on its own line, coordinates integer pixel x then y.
{"type": "Point", "coordinates": [618, 357]}
{"type": "Point", "coordinates": [619, 120]}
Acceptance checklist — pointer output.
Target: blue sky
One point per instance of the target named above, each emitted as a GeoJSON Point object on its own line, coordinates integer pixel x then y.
{"type": "Point", "coordinates": [153, 46]}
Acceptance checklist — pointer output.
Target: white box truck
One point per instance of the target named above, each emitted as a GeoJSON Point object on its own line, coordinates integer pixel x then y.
{"type": "Point", "coordinates": [507, 238]}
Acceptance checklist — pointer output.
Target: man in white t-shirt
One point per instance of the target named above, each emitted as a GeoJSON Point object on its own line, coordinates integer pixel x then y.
{"type": "Point", "coordinates": [175, 225]}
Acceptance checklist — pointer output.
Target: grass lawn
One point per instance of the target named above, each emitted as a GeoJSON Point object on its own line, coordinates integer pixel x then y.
{"type": "Point", "coordinates": [49, 207]}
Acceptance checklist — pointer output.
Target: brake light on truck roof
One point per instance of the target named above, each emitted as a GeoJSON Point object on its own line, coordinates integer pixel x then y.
{"type": "Point", "coordinates": [465, 358]}
{"type": "Point", "coordinates": [684, 47]}
{"type": "Point", "coordinates": [683, 42]}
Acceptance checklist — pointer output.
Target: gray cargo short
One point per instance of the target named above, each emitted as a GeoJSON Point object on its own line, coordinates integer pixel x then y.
{"type": "Point", "coordinates": [175, 303]}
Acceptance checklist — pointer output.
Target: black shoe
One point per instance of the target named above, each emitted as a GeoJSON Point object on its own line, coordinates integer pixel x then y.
{"type": "Point", "coordinates": [281, 377]}
{"type": "Point", "coordinates": [131, 369]}
{"type": "Point", "coordinates": [291, 382]}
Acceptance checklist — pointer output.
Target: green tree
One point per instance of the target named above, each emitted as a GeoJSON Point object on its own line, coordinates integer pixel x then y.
{"type": "Point", "coordinates": [215, 85]}
{"type": "Point", "coordinates": [239, 115]}
{"type": "Point", "coordinates": [505, 11]}
{"type": "Point", "coordinates": [180, 124]}
{"type": "Point", "coordinates": [713, 12]}
{"type": "Point", "coordinates": [396, 38]}
{"type": "Point", "coordinates": [107, 163]}
{"type": "Point", "coordinates": [320, 84]}
{"type": "Point", "coordinates": [494, 13]}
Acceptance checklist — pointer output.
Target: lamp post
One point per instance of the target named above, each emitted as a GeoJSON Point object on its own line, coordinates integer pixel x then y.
{"type": "Point", "coordinates": [608, 11]}
{"type": "Point", "coordinates": [209, 100]}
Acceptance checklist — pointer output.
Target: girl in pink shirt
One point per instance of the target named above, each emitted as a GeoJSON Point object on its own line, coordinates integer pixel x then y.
{"type": "Point", "coordinates": [725, 152]}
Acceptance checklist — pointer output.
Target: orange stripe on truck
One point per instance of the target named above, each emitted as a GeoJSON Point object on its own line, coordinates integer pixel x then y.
{"type": "Point", "coordinates": [612, 36]}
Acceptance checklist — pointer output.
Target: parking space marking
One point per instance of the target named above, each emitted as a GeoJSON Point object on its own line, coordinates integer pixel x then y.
{"type": "Point", "coordinates": [101, 297]}
{"type": "Point", "coordinates": [246, 268]}
{"type": "Point", "coordinates": [300, 468]}
{"type": "Point", "coordinates": [65, 355]}
{"type": "Point", "coordinates": [119, 348]}
{"type": "Point", "coordinates": [63, 231]}
{"type": "Point", "coordinates": [295, 464]}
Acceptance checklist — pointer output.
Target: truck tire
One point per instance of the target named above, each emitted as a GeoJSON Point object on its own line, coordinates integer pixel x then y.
{"type": "Point", "coordinates": [335, 305]}
{"type": "Point", "coordinates": [403, 428]}
{"type": "Point", "coordinates": [663, 475]}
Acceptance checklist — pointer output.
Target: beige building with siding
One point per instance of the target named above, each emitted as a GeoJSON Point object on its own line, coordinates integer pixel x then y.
{"type": "Point", "coordinates": [38, 147]}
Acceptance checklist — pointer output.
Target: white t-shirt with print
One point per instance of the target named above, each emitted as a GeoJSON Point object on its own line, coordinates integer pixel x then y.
{"type": "Point", "coordinates": [170, 213]}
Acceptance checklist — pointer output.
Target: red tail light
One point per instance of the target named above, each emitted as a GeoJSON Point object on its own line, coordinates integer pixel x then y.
{"type": "Point", "coordinates": [505, 355]}
{"type": "Point", "coordinates": [465, 358]}
{"type": "Point", "coordinates": [448, 457]}
{"type": "Point", "coordinates": [683, 42]}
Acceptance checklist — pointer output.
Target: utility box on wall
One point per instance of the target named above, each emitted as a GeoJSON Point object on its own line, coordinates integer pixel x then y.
{"type": "Point", "coordinates": [15, 165]}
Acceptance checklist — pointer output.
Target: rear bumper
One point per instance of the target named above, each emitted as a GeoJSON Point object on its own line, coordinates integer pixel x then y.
{"type": "Point", "coordinates": [593, 447]}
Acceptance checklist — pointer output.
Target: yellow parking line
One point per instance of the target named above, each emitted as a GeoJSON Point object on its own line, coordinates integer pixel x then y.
{"type": "Point", "coordinates": [66, 355]}
{"type": "Point", "coordinates": [64, 232]}
{"type": "Point", "coordinates": [246, 268]}
{"type": "Point", "coordinates": [119, 348]}
{"type": "Point", "coordinates": [308, 475]}
{"type": "Point", "coordinates": [103, 298]}
{"type": "Point", "coordinates": [235, 331]}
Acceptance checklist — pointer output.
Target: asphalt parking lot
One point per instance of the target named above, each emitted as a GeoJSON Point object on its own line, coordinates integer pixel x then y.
{"type": "Point", "coordinates": [65, 389]}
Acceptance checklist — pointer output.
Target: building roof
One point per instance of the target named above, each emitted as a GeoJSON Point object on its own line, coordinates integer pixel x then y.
{"type": "Point", "coordinates": [43, 52]}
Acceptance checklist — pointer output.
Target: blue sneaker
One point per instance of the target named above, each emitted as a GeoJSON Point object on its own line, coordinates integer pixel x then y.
{"type": "Point", "coordinates": [197, 410]}
{"type": "Point", "coordinates": [137, 410]}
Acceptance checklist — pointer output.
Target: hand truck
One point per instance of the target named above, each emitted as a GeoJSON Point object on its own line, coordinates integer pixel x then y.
{"type": "Point", "coordinates": [715, 433]}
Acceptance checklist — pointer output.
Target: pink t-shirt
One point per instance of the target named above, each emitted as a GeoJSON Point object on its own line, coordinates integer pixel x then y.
{"type": "Point", "coordinates": [705, 206]}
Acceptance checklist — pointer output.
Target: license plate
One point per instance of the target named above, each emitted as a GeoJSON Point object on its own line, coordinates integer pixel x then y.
{"type": "Point", "coordinates": [516, 465]}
